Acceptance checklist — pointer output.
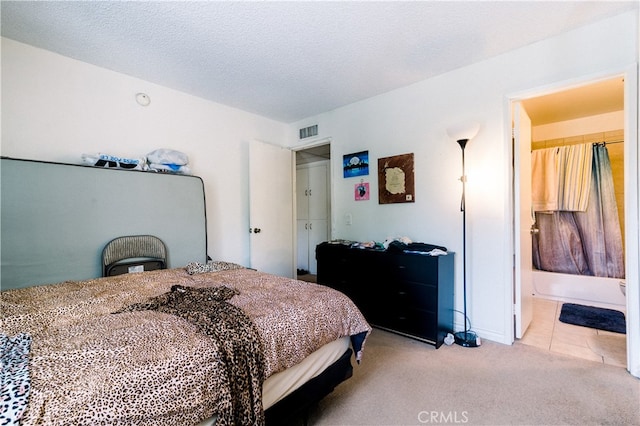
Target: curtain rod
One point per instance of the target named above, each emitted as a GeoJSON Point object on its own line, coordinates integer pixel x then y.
{"type": "Point", "coordinates": [608, 143]}
{"type": "Point", "coordinates": [592, 143]}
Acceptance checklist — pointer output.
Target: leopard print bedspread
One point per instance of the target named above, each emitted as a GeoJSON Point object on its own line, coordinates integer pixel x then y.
{"type": "Point", "coordinates": [235, 335]}
{"type": "Point", "coordinates": [14, 377]}
{"type": "Point", "coordinates": [91, 367]}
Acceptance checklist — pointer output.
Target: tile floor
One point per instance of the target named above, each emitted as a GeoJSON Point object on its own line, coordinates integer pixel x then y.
{"type": "Point", "coordinates": [547, 332]}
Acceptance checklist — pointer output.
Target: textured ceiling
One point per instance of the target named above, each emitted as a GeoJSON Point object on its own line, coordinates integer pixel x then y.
{"type": "Point", "coordinates": [290, 60]}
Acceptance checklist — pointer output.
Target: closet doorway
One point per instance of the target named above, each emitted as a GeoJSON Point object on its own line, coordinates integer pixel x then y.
{"type": "Point", "coordinates": [313, 206]}
{"type": "Point", "coordinates": [589, 113]}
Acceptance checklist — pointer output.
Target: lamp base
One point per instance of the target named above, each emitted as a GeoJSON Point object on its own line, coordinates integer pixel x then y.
{"type": "Point", "coordinates": [467, 339]}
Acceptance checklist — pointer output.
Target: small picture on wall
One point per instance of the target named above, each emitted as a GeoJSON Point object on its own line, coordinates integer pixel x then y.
{"type": "Point", "coordinates": [356, 164]}
{"type": "Point", "coordinates": [361, 192]}
{"type": "Point", "coordinates": [395, 179]}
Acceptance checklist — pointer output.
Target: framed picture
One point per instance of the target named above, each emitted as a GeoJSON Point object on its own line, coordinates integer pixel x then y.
{"type": "Point", "coordinates": [361, 191]}
{"type": "Point", "coordinates": [396, 179]}
{"type": "Point", "coordinates": [356, 164]}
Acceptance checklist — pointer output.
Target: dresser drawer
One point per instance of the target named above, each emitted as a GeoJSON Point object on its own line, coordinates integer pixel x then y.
{"type": "Point", "coordinates": [416, 322]}
{"type": "Point", "coordinates": [416, 268]}
{"type": "Point", "coordinates": [410, 295]}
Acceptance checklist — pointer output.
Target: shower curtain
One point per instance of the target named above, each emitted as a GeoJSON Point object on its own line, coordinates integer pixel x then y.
{"type": "Point", "coordinates": [585, 242]}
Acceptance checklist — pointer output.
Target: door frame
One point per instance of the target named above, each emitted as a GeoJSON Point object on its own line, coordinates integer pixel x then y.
{"type": "Point", "coordinates": [632, 208]}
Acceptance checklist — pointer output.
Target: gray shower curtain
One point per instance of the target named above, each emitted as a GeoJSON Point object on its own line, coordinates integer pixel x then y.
{"type": "Point", "coordinates": [584, 243]}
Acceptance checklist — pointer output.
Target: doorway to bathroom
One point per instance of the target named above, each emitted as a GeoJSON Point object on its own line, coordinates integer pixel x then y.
{"type": "Point", "coordinates": [587, 113]}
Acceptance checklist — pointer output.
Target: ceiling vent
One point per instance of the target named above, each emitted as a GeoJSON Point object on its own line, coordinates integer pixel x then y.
{"type": "Point", "coordinates": [308, 132]}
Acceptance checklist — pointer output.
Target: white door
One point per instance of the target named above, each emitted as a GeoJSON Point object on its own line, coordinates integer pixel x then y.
{"type": "Point", "coordinates": [318, 232]}
{"type": "Point", "coordinates": [318, 195]}
{"type": "Point", "coordinates": [302, 210]}
{"type": "Point", "coordinates": [303, 244]}
{"type": "Point", "coordinates": [312, 201]}
{"type": "Point", "coordinates": [318, 211]}
{"type": "Point", "coordinates": [271, 208]}
{"type": "Point", "coordinates": [523, 216]}
{"type": "Point", "coordinates": [302, 193]}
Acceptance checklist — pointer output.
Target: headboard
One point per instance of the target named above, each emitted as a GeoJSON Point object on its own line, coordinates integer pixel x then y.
{"type": "Point", "coordinates": [56, 218]}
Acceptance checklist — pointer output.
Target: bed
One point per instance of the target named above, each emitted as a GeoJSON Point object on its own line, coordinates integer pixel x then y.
{"type": "Point", "coordinates": [103, 351]}
{"type": "Point", "coordinates": [187, 345]}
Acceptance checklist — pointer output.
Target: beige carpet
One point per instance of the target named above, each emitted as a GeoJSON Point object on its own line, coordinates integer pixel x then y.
{"type": "Point", "coordinates": [405, 382]}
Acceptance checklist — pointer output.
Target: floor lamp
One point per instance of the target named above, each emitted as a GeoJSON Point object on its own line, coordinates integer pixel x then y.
{"type": "Point", "coordinates": [462, 134]}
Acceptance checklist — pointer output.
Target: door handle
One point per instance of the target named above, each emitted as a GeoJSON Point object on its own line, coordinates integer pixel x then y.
{"type": "Point", "coordinates": [255, 230]}
{"type": "Point", "coordinates": [534, 230]}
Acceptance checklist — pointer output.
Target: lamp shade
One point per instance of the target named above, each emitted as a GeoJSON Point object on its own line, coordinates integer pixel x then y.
{"type": "Point", "coordinates": [464, 131]}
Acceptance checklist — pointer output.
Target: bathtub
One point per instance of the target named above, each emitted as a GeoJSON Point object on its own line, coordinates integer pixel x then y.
{"type": "Point", "coordinates": [584, 290]}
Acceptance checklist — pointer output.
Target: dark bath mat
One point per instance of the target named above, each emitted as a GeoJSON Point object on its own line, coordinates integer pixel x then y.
{"type": "Point", "coordinates": [590, 316]}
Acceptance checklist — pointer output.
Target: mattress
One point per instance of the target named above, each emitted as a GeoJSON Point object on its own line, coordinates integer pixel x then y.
{"type": "Point", "coordinates": [90, 365]}
{"type": "Point", "coordinates": [285, 382]}
{"type": "Point", "coordinates": [281, 384]}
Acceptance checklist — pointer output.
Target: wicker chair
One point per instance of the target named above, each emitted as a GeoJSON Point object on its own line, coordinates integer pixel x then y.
{"type": "Point", "coordinates": [134, 253]}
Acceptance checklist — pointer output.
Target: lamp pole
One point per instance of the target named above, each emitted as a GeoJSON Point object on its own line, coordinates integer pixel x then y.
{"type": "Point", "coordinates": [463, 144]}
{"type": "Point", "coordinates": [463, 134]}
{"type": "Point", "coordinates": [465, 338]}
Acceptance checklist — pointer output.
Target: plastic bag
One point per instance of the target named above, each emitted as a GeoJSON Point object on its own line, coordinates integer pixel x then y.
{"type": "Point", "coordinates": [168, 156]}
{"type": "Point", "coordinates": [169, 168]}
{"type": "Point", "coordinates": [111, 161]}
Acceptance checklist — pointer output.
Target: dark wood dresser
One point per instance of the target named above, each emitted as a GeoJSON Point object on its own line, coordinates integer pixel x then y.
{"type": "Point", "coordinates": [407, 293]}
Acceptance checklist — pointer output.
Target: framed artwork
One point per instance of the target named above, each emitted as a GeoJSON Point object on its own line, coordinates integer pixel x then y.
{"type": "Point", "coordinates": [361, 191]}
{"type": "Point", "coordinates": [356, 164]}
{"type": "Point", "coordinates": [396, 179]}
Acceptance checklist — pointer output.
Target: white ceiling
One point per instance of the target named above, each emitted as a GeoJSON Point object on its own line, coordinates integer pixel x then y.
{"type": "Point", "coordinates": [290, 60]}
{"type": "Point", "coordinates": [592, 99]}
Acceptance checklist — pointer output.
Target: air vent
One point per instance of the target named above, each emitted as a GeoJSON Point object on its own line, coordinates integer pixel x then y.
{"type": "Point", "coordinates": [308, 132]}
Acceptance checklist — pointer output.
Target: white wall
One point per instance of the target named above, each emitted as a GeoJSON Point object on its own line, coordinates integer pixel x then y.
{"type": "Point", "coordinates": [55, 109]}
{"type": "Point", "coordinates": [415, 119]}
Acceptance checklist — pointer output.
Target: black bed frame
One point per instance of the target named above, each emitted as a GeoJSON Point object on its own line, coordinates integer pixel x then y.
{"type": "Point", "coordinates": [296, 405]}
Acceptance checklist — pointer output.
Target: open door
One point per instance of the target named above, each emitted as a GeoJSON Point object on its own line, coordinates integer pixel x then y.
{"type": "Point", "coordinates": [271, 208]}
{"type": "Point", "coordinates": [524, 220]}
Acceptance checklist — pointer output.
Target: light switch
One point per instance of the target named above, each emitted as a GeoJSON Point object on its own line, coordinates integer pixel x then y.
{"type": "Point", "coordinates": [348, 219]}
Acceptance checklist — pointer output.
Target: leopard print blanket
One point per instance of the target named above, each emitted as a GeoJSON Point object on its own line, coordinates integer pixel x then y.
{"type": "Point", "coordinates": [211, 266]}
{"type": "Point", "coordinates": [237, 337]}
{"type": "Point", "coordinates": [149, 367]}
{"type": "Point", "coordinates": [14, 375]}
